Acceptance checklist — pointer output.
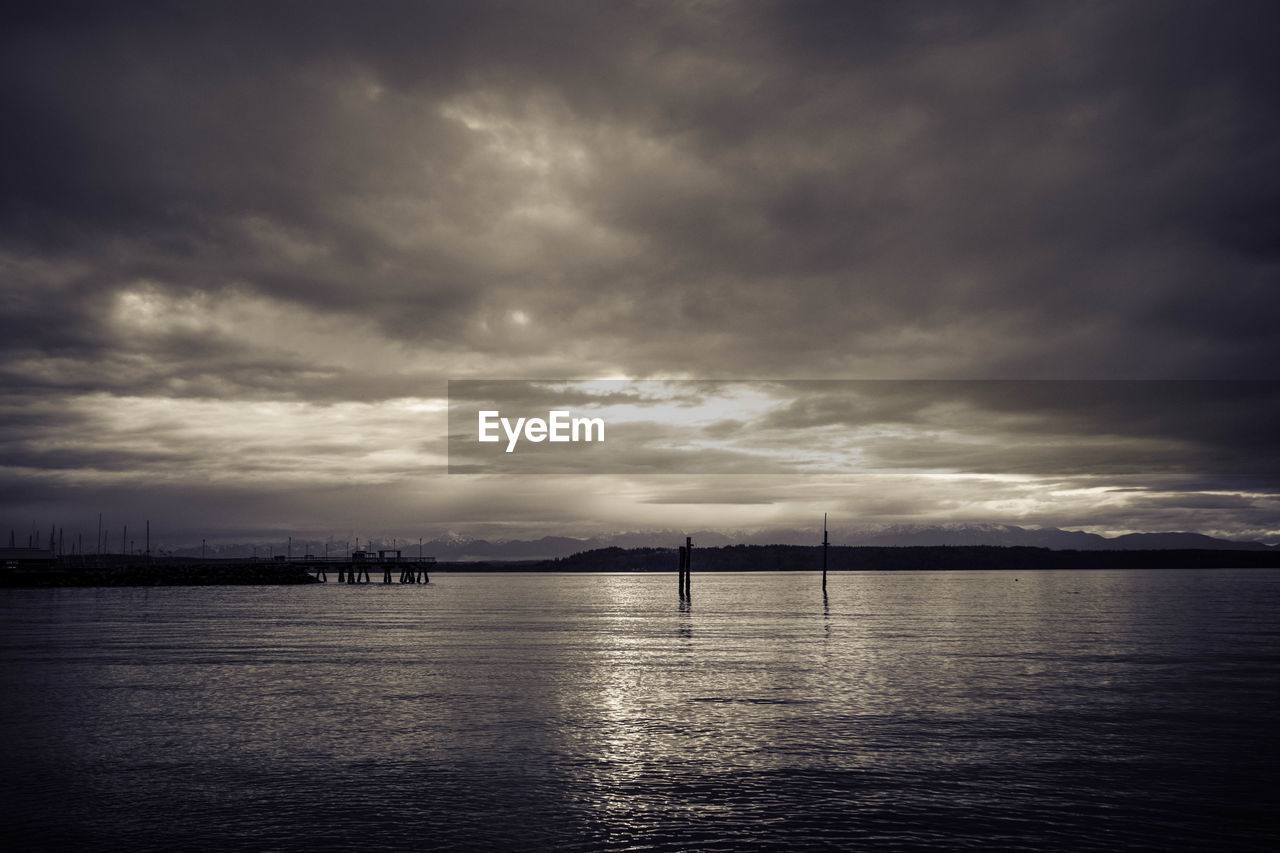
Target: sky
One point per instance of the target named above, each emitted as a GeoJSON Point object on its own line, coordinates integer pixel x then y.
{"type": "Point", "coordinates": [244, 247]}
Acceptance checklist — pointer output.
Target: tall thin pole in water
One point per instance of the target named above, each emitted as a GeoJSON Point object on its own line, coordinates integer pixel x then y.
{"type": "Point", "coordinates": [688, 567]}
{"type": "Point", "coordinates": [825, 545]}
{"type": "Point", "coordinates": [680, 572]}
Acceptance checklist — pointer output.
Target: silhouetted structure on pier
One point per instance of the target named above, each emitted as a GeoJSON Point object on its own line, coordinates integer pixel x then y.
{"type": "Point", "coordinates": [356, 568]}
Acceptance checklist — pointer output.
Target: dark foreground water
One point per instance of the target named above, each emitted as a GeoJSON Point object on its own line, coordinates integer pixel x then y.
{"type": "Point", "coordinates": [982, 710]}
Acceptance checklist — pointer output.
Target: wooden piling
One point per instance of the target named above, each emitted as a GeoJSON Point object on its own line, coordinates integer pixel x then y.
{"type": "Point", "coordinates": [686, 561]}
{"type": "Point", "coordinates": [689, 568]}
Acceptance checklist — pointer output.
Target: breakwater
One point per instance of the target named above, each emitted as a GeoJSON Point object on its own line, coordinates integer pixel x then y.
{"type": "Point", "coordinates": [163, 573]}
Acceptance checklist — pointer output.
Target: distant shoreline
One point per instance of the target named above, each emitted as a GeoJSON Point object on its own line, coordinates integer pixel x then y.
{"type": "Point", "coordinates": [745, 558]}
{"type": "Point", "coordinates": [178, 571]}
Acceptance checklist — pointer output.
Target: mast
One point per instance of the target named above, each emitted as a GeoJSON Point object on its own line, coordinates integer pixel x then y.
{"type": "Point", "coordinates": [825, 544]}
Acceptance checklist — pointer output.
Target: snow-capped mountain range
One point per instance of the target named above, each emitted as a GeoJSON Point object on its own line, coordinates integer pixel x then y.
{"type": "Point", "coordinates": [460, 547]}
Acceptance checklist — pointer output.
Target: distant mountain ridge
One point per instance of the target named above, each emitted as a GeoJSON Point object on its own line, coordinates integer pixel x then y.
{"type": "Point", "coordinates": [457, 547]}
{"type": "Point", "coordinates": [811, 559]}
{"type": "Point", "coordinates": [1047, 537]}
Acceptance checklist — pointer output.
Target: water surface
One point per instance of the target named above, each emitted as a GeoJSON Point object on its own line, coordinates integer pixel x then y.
{"type": "Point", "coordinates": [908, 710]}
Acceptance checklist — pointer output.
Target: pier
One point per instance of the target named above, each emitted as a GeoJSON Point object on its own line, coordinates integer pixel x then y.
{"type": "Point", "coordinates": [356, 568]}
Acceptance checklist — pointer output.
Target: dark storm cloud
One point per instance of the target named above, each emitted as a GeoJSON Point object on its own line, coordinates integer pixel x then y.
{"type": "Point", "coordinates": [1220, 431]}
{"type": "Point", "coordinates": [328, 203]}
{"type": "Point", "coordinates": [1238, 412]}
{"type": "Point", "coordinates": [971, 188]}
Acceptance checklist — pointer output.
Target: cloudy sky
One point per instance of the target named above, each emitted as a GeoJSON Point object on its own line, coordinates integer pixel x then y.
{"type": "Point", "coordinates": [244, 247]}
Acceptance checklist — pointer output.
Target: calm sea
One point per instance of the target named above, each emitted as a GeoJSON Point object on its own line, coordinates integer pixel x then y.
{"type": "Point", "coordinates": [913, 710]}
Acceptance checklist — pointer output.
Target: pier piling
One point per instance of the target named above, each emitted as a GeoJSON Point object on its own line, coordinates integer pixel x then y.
{"type": "Point", "coordinates": [357, 570]}
{"type": "Point", "coordinates": [688, 567]}
{"type": "Point", "coordinates": [686, 554]}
